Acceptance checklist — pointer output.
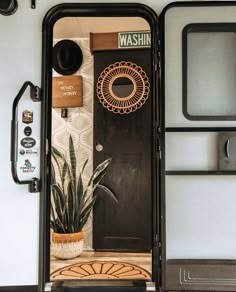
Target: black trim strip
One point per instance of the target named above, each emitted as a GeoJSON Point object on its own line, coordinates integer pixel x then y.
{"type": "Point", "coordinates": [200, 172]}
{"type": "Point", "coordinates": [201, 262]}
{"type": "Point", "coordinates": [196, 4]}
{"type": "Point", "coordinates": [162, 188]}
{"type": "Point", "coordinates": [199, 129]}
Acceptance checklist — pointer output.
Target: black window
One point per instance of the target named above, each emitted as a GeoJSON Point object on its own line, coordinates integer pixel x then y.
{"type": "Point", "coordinates": [209, 71]}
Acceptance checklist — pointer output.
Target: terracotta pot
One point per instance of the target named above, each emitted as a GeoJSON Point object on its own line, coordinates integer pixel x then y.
{"type": "Point", "coordinates": [67, 245]}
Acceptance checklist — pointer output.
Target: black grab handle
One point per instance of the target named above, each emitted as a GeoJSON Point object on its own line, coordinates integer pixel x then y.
{"type": "Point", "coordinates": [35, 95]}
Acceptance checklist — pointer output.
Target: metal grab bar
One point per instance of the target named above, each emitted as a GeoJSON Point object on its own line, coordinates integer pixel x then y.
{"type": "Point", "coordinates": [35, 95]}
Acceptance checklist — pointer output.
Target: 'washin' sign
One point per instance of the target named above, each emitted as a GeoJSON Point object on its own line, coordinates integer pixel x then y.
{"type": "Point", "coordinates": [134, 39]}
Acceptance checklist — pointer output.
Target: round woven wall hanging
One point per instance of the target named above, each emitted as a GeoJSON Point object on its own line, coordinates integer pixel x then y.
{"type": "Point", "coordinates": [136, 97]}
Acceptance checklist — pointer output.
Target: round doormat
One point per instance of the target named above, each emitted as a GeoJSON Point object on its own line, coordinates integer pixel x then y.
{"type": "Point", "coordinates": [101, 270]}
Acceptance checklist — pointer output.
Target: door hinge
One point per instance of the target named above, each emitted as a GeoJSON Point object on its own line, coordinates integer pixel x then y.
{"type": "Point", "coordinates": [159, 142]}
{"type": "Point", "coordinates": [157, 67]}
{"type": "Point", "coordinates": [158, 245]}
{"type": "Point", "coordinates": [159, 57]}
{"type": "Point", "coordinates": [159, 151]}
{"type": "Point", "coordinates": [47, 147]}
{"type": "Point", "coordinates": [150, 286]}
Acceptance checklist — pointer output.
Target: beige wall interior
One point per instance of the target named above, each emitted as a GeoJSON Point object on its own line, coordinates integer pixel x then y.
{"type": "Point", "coordinates": [79, 123]}
{"type": "Point", "coordinates": [74, 27]}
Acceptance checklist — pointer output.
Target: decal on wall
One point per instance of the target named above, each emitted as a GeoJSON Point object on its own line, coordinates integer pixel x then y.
{"type": "Point", "coordinates": [28, 167]}
{"type": "Point", "coordinates": [123, 87]}
{"type": "Point", "coordinates": [27, 131]}
{"type": "Point", "coordinates": [29, 152]}
{"type": "Point", "coordinates": [28, 142]}
{"type": "Point", "coordinates": [27, 117]}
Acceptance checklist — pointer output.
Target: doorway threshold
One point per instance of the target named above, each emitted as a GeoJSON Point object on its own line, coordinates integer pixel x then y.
{"type": "Point", "coordinates": [99, 286]}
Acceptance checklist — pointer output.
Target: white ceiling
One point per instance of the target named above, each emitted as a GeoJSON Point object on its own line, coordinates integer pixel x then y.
{"type": "Point", "coordinates": [73, 27]}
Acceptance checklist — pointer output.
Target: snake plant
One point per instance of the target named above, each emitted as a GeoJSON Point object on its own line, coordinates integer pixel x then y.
{"type": "Point", "coordinates": [72, 201]}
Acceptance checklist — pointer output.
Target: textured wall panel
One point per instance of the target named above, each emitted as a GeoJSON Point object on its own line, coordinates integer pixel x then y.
{"type": "Point", "coordinates": [79, 124]}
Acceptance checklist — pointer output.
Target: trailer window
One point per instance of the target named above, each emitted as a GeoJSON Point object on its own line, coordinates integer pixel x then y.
{"type": "Point", "coordinates": [209, 71]}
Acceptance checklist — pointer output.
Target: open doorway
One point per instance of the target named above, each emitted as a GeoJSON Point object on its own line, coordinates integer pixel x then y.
{"type": "Point", "coordinates": [101, 171]}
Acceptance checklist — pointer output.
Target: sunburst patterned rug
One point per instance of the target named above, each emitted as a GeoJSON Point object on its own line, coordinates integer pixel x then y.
{"type": "Point", "coordinates": [101, 270]}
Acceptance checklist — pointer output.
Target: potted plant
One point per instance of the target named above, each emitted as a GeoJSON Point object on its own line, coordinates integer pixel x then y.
{"type": "Point", "coordinates": [72, 201]}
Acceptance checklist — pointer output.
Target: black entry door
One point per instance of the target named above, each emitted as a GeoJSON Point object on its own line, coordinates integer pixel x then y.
{"type": "Point", "coordinates": [127, 139]}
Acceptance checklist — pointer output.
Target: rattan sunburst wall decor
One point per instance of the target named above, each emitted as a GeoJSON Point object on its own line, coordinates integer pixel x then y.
{"type": "Point", "coordinates": [133, 101]}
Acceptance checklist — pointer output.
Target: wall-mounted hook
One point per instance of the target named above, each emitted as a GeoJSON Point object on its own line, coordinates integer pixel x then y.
{"type": "Point", "coordinates": [64, 113]}
{"type": "Point", "coordinates": [33, 4]}
{"type": "Point", "coordinates": [8, 7]}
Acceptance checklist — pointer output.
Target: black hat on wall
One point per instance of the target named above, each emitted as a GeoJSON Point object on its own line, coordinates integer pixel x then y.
{"type": "Point", "coordinates": [67, 57]}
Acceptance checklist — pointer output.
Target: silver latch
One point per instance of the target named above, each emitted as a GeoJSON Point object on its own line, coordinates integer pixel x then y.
{"type": "Point", "coordinates": [48, 287]}
{"type": "Point", "coordinates": [159, 141]}
{"type": "Point", "coordinates": [150, 286]}
{"type": "Point", "coordinates": [47, 147]}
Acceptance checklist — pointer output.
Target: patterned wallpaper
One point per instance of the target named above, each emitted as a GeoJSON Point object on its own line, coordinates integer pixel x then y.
{"type": "Point", "coordinates": [79, 124]}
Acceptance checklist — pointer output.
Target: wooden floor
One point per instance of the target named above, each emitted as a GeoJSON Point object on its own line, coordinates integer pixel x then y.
{"type": "Point", "coordinates": [141, 260]}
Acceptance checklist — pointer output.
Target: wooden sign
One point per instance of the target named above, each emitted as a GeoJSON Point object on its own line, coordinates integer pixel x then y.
{"type": "Point", "coordinates": [120, 40]}
{"type": "Point", "coordinates": [67, 91]}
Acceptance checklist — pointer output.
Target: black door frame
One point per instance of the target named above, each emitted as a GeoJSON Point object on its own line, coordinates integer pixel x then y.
{"type": "Point", "coordinates": [86, 10]}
